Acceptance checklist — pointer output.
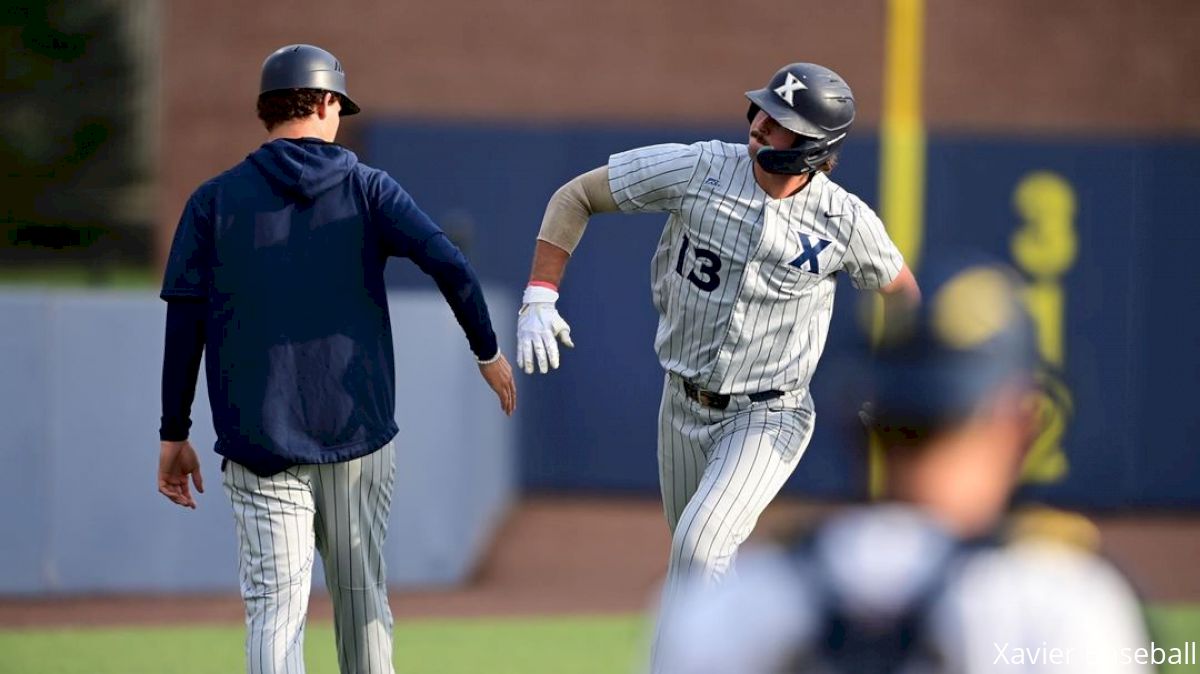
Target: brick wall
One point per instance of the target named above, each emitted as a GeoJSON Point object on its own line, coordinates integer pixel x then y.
{"type": "Point", "coordinates": [1094, 66]}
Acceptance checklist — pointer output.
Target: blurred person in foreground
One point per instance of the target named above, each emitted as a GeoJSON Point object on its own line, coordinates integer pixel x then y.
{"type": "Point", "coordinates": [276, 274]}
{"type": "Point", "coordinates": [936, 577]}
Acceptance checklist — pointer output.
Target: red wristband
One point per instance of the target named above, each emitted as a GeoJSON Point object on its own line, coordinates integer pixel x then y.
{"type": "Point", "coordinates": [544, 284]}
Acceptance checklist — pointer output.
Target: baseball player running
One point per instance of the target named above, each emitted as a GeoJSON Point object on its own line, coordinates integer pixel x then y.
{"type": "Point", "coordinates": [276, 272]}
{"type": "Point", "coordinates": [743, 281]}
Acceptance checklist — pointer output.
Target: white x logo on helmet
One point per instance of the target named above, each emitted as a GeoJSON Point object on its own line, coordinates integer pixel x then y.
{"type": "Point", "coordinates": [789, 88]}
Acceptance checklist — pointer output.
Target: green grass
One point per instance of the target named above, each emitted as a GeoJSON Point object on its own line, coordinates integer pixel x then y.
{"type": "Point", "coordinates": [1172, 625]}
{"type": "Point", "coordinates": [562, 645]}
{"type": "Point", "coordinates": [79, 276]}
{"type": "Point", "coordinates": [582, 645]}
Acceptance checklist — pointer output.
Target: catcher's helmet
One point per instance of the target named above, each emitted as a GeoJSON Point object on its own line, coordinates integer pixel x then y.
{"type": "Point", "coordinates": [936, 362]}
{"type": "Point", "coordinates": [303, 66]}
{"type": "Point", "coordinates": [811, 101]}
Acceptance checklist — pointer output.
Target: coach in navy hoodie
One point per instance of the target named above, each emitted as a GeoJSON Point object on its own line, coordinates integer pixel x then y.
{"type": "Point", "coordinates": [276, 272]}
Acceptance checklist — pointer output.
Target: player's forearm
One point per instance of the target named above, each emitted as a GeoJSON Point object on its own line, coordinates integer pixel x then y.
{"type": "Point", "coordinates": [549, 263]}
{"type": "Point", "coordinates": [182, 349]}
{"type": "Point", "coordinates": [456, 279]}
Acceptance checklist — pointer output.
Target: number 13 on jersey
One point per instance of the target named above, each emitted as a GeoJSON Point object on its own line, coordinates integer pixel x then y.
{"type": "Point", "coordinates": [705, 271]}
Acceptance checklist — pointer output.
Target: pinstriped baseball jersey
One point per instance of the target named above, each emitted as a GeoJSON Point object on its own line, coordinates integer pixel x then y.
{"type": "Point", "coordinates": [744, 283]}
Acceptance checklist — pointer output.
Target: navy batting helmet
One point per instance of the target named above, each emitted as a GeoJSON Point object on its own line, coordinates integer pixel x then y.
{"type": "Point", "coordinates": [811, 101]}
{"type": "Point", "coordinates": [303, 66]}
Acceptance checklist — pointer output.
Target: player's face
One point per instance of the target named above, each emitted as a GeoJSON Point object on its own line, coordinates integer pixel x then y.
{"type": "Point", "coordinates": [766, 132]}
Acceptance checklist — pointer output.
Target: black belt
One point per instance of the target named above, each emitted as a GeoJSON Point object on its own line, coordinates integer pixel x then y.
{"type": "Point", "coordinates": [719, 401]}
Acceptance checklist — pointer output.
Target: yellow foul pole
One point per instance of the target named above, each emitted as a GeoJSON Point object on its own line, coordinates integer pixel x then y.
{"type": "Point", "coordinates": [901, 153]}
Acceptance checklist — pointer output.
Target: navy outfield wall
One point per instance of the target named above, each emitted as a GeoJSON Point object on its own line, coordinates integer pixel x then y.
{"type": "Point", "coordinates": [1104, 230]}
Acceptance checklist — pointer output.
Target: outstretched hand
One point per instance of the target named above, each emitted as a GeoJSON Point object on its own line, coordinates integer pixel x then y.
{"type": "Point", "coordinates": [539, 329]}
{"type": "Point", "coordinates": [499, 376]}
{"type": "Point", "coordinates": [177, 461]}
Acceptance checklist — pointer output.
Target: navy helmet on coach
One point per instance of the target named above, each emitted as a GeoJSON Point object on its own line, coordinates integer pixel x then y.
{"type": "Point", "coordinates": [811, 101]}
{"type": "Point", "coordinates": [303, 66]}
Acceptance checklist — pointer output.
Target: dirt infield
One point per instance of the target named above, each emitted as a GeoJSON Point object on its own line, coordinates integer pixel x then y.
{"type": "Point", "coordinates": [596, 555]}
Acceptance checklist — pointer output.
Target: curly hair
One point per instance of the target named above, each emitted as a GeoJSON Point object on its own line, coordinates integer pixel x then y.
{"type": "Point", "coordinates": [277, 107]}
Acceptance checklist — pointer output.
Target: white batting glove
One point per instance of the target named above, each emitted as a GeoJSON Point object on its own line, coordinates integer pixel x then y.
{"type": "Point", "coordinates": [538, 328]}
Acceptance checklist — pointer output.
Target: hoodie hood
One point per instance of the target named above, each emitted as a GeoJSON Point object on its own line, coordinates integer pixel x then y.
{"type": "Point", "coordinates": [304, 167]}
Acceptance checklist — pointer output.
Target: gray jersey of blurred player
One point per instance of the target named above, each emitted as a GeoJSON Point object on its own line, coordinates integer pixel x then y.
{"type": "Point", "coordinates": [1037, 605]}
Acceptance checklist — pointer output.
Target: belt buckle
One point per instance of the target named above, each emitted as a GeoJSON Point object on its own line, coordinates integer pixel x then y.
{"type": "Point", "coordinates": [709, 399]}
{"type": "Point", "coordinates": [713, 400]}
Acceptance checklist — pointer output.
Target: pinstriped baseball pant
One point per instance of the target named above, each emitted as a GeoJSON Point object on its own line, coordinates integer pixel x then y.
{"type": "Point", "coordinates": [340, 510]}
{"type": "Point", "coordinates": [718, 470]}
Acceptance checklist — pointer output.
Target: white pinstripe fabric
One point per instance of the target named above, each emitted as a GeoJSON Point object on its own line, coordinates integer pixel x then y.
{"type": "Point", "coordinates": [340, 510]}
{"type": "Point", "coordinates": [759, 320]}
{"type": "Point", "coordinates": [744, 287]}
{"type": "Point", "coordinates": [719, 469]}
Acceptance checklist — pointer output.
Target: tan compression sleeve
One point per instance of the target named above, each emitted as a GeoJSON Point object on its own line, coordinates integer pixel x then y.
{"type": "Point", "coordinates": [569, 208]}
